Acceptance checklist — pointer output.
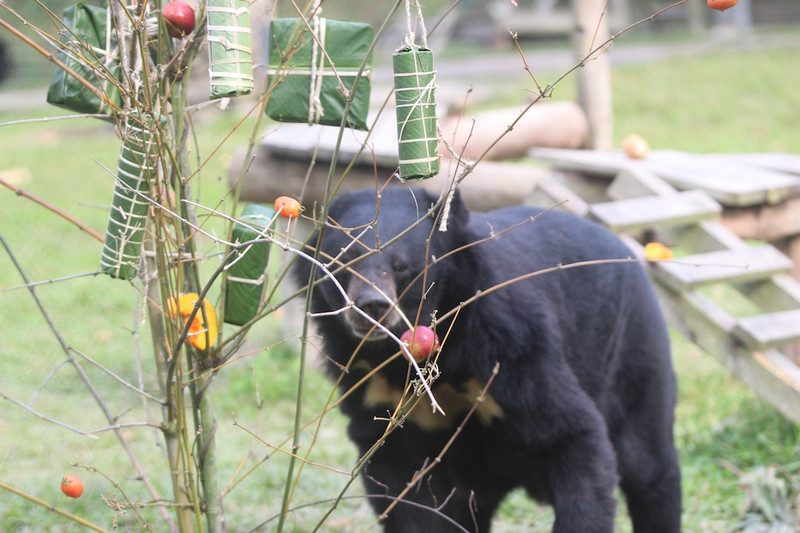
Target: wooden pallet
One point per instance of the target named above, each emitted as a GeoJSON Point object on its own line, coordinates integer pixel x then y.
{"type": "Point", "coordinates": [724, 178]}
{"type": "Point", "coordinates": [759, 348]}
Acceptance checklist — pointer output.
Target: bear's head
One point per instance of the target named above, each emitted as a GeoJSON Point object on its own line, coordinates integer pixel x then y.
{"type": "Point", "coordinates": [391, 260]}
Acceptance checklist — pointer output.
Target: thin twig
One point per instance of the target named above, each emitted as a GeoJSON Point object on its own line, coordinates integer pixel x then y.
{"type": "Point", "coordinates": [51, 281]}
{"type": "Point", "coordinates": [53, 119]}
{"type": "Point", "coordinates": [50, 207]}
{"type": "Point", "coordinates": [47, 418]}
{"type": "Point", "coordinates": [124, 425]}
{"type": "Point", "coordinates": [51, 507]}
{"type": "Point", "coordinates": [124, 383]}
{"type": "Point", "coordinates": [287, 452]}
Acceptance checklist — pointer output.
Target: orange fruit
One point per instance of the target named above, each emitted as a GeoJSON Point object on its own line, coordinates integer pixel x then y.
{"type": "Point", "coordinates": [721, 5]}
{"type": "Point", "coordinates": [655, 251]}
{"type": "Point", "coordinates": [198, 330]}
{"type": "Point", "coordinates": [287, 207]}
{"type": "Point", "coordinates": [72, 486]}
{"type": "Point", "coordinates": [635, 146]}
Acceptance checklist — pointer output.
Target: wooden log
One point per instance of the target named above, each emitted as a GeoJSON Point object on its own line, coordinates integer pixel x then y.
{"type": "Point", "coordinates": [769, 222]}
{"type": "Point", "coordinates": [546, 124]}
{"type": "Point", "coordinates": [490, 185]}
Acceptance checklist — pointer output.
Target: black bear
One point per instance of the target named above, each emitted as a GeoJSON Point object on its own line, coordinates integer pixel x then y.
{"type": "Point", "coordinates": [584, 396]}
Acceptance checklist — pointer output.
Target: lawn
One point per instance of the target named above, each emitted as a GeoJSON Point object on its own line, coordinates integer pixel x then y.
{"type": "Point", "coordinates": [724, 102]}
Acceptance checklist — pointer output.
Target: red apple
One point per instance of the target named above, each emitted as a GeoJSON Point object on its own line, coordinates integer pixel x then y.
{"type": "Point", "coordinates": [421, 341]}
{"type": "Point", "coordinates": [179, 18]}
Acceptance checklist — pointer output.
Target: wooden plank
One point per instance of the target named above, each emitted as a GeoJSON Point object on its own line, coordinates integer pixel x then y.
{"type": "Point", "coordinates": [589, 187]}
{"type": "Point", "coordinates": [705, 323]}
{"type": "Point", "coordinates": [677, 209]}
{"type": "Point", "coordinates": [777, 293]}
{"type": "Point", "coordinates": [772, 161]}
{"type": "Point", "coordinates": [769, 330]}
{"type": "Point", "coordinates": [708, 236]}
{"type": "Point", "coordinates": [551, 192]}
{"type": "Point", "coordinates": [635, 182]}
{"type": "Point", "coordinates": [602, 163]}
{"type": "Point", "coordinates": [729, 182]}
{"type": "Point", "coordinates": [769, 373]}
{"type": "Point", "coordinates": [726, 265]}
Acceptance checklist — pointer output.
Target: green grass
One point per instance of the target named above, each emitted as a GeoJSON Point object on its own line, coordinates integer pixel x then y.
{"type": "Point", "coordinates": [725, 102]}
{"type": "Point", "coordinates": [716, 103]}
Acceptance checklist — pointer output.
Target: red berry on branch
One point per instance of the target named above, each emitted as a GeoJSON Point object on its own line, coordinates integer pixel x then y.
{"type": "Point", "coordinates": [179, 18]}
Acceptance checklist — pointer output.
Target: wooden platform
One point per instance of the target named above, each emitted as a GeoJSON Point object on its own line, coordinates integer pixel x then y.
{"type": "Point", "coordinates": [759, 193]}
{"type": "Point", "coordinates": [735, 181]}
{"type": "Point", "coordinates": [753, 328]}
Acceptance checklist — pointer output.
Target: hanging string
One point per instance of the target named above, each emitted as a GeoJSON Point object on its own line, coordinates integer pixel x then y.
{"type": "Point", "coordinates": [410, 33]}
{"type": "Point", "coordinates": [315, 110]}
{"type": "Point", "coordinates": [409, 43]}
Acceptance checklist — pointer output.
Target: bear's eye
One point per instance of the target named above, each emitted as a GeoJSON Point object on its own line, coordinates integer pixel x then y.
{"type": "Point", "coordinates": [400, 266]}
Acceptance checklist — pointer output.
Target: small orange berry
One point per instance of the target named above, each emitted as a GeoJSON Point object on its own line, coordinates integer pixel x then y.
{"type": "Point", "coordinates": [72, 486]}
{"type": "Point", "coordinates": [287, 207]}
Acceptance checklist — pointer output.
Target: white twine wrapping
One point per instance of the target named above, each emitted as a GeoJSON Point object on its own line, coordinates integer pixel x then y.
{"type": "Point", "coordinates": [225, 82]}
{"type": "Point", "coordinates": [130, 205]}
{"type": "Point", "coordinates": [315, 110]}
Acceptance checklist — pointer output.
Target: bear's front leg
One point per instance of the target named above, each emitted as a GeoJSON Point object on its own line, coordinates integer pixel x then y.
{"type": "Point", "coordinates": [583, 476]}
{"type": "Point", "coordinates": [433, 504]}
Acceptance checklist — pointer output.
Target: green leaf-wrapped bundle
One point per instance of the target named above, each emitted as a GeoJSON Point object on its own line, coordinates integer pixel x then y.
{"type": "Point", "coordinates": [414, 79]}
{"type": "Point", "coordinates": [308, 90]}
{"type": "Point", "coordinates": [247, 275]}
{"type": "Point", "coordinates": [91, 51]}
{"type": "Point", "coordinates": [129, 206]}
{"type": "Point", "coordinates": [229, 48]}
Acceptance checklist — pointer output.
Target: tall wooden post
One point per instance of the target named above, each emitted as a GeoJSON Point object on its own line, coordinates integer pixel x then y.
{"type": "Point", "coordinates": [594, 78]}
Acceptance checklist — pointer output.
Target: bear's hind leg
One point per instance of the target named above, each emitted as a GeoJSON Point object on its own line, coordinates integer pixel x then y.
{"type": "Point", "coordinates": [582, 476]}
{"type": "Point", "coordinates": [651, 482]}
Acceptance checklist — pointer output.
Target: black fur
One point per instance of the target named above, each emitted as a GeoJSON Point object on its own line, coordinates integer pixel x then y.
{"type": "Point", "coordinates": [585, 393]}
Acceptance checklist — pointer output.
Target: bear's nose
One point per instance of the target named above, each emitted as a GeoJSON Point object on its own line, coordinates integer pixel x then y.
{"type": "Point", "coordinates": [374, 305]}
